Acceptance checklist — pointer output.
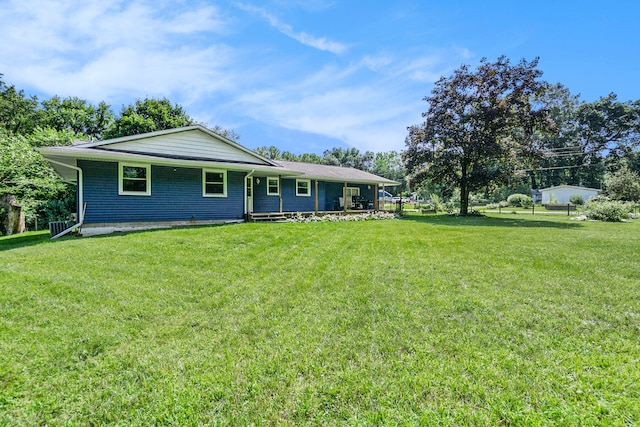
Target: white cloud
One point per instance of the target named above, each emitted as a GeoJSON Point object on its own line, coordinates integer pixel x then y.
{"type": "Point", "coordinates": [99, 50]}
{"type": "Point", "coordinates": [365, 117]}
{"type": "Point", "coordinates": [117, 51]}
{"type": "Point", "coordinates": [321, 43]}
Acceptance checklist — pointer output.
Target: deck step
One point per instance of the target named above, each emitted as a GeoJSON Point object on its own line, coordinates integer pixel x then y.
{"type": "Point", "coordinates": [267, 217]}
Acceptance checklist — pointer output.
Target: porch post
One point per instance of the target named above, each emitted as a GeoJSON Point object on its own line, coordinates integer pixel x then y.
{"type": "Point", "coordinates": [344, 196]}
{"type": "Point", "coordinates": [280, 192]}
{"type": "Point", "coordinates": [316, 201]}
{"type": "Point", "coordinates": [376, 201]}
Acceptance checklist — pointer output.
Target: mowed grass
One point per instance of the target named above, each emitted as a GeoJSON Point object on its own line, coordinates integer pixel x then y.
{"type": "Point", "coordinates": [503, 320]}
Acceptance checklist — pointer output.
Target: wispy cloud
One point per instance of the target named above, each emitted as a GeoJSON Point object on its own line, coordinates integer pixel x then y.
{"type": "Point", "coordinates": [100, 50]}
{"type": "Point", "coordinates": [117, 51]}
{"type": "Point", "coordinates": [321, 43]}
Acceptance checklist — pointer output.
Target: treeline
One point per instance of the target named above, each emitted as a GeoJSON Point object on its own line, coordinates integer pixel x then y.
{"type": "Point", "coordinates": [386, 164]}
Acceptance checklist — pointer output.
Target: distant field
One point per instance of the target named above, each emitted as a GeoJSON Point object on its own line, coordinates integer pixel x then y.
{"type": "Point", "coordinates": [430, 320]}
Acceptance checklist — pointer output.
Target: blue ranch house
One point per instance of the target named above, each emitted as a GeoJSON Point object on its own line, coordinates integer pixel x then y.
{"type": "Point", "coordinates": [193, 176]}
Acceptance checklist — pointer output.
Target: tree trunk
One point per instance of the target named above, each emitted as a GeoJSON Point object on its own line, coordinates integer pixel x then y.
{"type": "Point", "coordinates": [13, 217]}
{"type": "Point", "coordinates": [464, 191]}
{"type": "Point", "coordinates": [534, 185]}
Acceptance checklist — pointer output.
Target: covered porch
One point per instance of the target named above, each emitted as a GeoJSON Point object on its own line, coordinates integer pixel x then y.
{"type": "Point", "coordinates": [315, 197]}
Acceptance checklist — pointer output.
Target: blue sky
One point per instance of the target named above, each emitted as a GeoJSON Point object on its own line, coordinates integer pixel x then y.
{"type": "Point", "coordinates": [307, 76]}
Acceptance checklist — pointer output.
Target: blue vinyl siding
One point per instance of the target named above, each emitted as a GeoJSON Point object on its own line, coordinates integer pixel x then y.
{"type": "Point", "coordinates": [333, 190]}
{"type": "Point", "coordinates": [293, 203]}
{"type": "Point", "coordinates": [262, 202]}
{"type": "Point", "coordinates": [176, 195]}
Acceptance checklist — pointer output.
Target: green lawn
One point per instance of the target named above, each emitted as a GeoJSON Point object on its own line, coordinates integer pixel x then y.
{"type": "Point", "coordinates": [430, 320]}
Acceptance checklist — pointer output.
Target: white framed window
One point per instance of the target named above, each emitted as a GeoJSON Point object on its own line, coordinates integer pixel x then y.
{"type": "Point", "coordinates": [303, 187]}
{"type": "Point", "coordinates": [352, 191]}
{"type": "Point", "coordinates": [214, 183]}
{"type": "Point", "coordinates": [134, 179]}
{"type": "Point", "coordinates": [273, 186]}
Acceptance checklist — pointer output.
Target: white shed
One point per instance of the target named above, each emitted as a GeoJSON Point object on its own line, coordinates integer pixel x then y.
{"type": "Point", "coordinates": [563, 193]}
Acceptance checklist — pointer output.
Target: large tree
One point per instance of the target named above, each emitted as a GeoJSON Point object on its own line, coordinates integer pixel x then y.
{"type": "Point", "coordinates": [77, 115]}
{"type": "Point", "coordinates": [148, 115]}
{"type": "Point", "coordinates": [588, 138]}
{"type": "Point", "coordinates": [18, 113]}
{"type": "Point", "coordinates": [479, 127]}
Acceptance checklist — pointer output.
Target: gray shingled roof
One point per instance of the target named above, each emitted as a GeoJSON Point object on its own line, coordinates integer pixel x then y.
{"type": "Point", "coordinates": [334, 173]}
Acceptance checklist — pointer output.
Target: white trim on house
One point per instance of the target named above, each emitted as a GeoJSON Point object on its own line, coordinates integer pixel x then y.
{"type": "Point", "coordinates": [307, 188]}
{"type": "Point", "coordinates": [349, 192]}
{"type": "Point", "coordinates": [277, 180]}
{"type": "Point", "coordinates": [121, 179]}
{"type": "Point", "coordinates": [205, 182]}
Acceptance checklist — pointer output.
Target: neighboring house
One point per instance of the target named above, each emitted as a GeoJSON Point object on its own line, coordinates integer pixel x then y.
{"type": "Point", "coordinates": [563, 193]}
{"type": "Point", "coordinates": [191, 175]}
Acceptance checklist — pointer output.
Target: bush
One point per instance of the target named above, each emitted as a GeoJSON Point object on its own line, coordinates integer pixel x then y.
{"type": "Point", "coordinates": [608, 210]}
{"type": "Point", "coordinates": [521, 200]}
{"type": "Point", "coordinates": [577, 199]}
{"type": "Point", "coordinates": [437, 203]}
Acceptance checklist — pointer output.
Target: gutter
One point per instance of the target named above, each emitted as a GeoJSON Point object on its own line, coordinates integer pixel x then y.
{"type": "Point", "coordinates": [81, 206]}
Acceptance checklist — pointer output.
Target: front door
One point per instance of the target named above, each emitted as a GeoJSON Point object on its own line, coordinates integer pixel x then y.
{"type": "Point", "coordinates": [249, 193]}
{"type": "Point", "coordinates": [350, 192]}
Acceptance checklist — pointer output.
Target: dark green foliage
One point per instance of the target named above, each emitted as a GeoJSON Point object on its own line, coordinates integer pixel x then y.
{"type": "Point", "coordinates": [77, 116]}
{"type": "Point", "coordinates": [624, 184]}
{"type": "Point", "coordinates": [387, 164]}
{"type": "Point", "coordinates": [148, 115]}
{"type": "Point", "coordinates": [18, 112]}
{"type": "Point", "coordinates": [25, 174]}
{"type": "Point", "coordinates": [608, 210]}
{"type": "Point", "coordinates": [521, 200]}
{"type": "Point", "coordinates": [576, 199]}
{"type": "Point", "coordinates": [478, 127]}
{"type": "Point", "coordinates": [586, 138]}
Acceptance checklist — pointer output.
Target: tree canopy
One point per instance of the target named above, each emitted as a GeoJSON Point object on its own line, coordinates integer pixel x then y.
{"type": "Point", "coordinates": [148, 115]}
{"type": "Point", "coordinates": [478, 128]}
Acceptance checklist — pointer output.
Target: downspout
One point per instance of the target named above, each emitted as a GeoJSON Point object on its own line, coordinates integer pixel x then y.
{"type": "Point", "coordinates": [81, 207]}
{"type": "Point", "coordinates": [246, 206]}
{"type": "Point", "coordinates": [280, 188]}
